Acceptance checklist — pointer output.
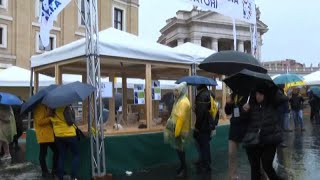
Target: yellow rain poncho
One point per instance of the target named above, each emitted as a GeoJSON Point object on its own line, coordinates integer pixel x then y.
{"type": "Point", "coordinates": [7, 124]}
{"type": "Point", "coordinates": [177, 130]}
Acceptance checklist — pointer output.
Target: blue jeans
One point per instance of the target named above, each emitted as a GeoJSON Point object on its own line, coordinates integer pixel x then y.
{"type": "Point", "coordinates": [63, 143]}
{"type": "Point", "coordinates": [298, 120]}
{"type": "Point", "coordinates": [286, 121]}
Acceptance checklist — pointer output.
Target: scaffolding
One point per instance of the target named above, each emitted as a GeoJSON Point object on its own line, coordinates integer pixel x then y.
{"type": "Point", "coordinates": [95, 121]}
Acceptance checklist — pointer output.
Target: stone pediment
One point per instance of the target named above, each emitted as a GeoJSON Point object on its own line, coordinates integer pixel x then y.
{"type": "Point", "coordinates": [211, 17]}
{"type": "Point", "coordinates": [207, 16]}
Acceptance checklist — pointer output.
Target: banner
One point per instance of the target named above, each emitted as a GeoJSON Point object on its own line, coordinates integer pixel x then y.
{"type": "Point", "coordinates": [254, 43]}
{"type": "Point", "coordinates": [139, 94]}
{"type": "Point", "coordinates": [106, 89]}
{"type": "Point", "coordinates": [49, 12]}
{"type": "Point", "coordinates": [244, 10]}
{"type": "Point", "coordinates": [156, 90]}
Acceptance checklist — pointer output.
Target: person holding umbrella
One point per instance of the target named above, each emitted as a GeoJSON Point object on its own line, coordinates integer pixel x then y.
{"type": "Point", "coordinates": [7, 130]}
{"type": "Point", "coordinates": [66, 137]}
{"type": "Point", "coordinates": [61, 99]}
{"type": "Point", "coordinates": [263, 133]}
{"type": "Point", "coordinates": [207, 115]}
{"type": "Point", "coordinates": [296, 103]}
{"type": "Point", "coordinates": [7, 122]}
{"type": "Point", "coordinates": [203, 127]}
{"type": "Point", "coordinates": [43, 128]}
{"type": "Point", "coordinates": [45, 137]}
{"type": "Point", "coordinates": [178, 126]}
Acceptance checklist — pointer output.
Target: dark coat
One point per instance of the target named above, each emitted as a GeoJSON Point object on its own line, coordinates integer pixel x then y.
{"type": "Point", "coordinates": [204, 121]}
{"type": "Point", "coordinates": [264, 117]}
{"type": "Point", "coordinates": [283, 106]}
{"type": "Point", "coordinates": [315, 103]}
{"type": "Point", "coordinates": [296, 102]}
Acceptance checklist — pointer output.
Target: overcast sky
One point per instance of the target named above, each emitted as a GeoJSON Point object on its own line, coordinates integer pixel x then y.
{"type": "Point", "coordinates": [294, 26]}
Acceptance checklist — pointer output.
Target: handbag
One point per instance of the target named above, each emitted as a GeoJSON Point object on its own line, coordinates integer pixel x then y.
{"type": "Point", "coordinates": [251, 139]}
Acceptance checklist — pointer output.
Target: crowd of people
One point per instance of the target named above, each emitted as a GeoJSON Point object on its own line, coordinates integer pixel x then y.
{"type": "Point", "coordinates": [52, 131]}
{"type": "Point", "coordinates": [258, 123]}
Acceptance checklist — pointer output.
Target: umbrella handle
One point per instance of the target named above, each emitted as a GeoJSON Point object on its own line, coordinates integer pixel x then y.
{"type": "Point", "coordinates": [248, 99]}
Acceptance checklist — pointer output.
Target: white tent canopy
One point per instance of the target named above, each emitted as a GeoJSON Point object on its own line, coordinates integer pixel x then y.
{"type": "Point", "coordinates": [313, 78]}
{"type": "Point", "coordinates": [198, 53]}
{"type": "Point", "coordinates": [115, 43]}
{"type": "Point", "coordinates": [18, 77]}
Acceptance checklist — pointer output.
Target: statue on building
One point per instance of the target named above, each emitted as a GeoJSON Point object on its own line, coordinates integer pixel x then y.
{"type": "Point", "coordinates": [258, 13]}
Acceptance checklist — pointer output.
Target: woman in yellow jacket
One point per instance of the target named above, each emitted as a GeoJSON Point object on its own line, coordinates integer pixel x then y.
{"type": "Point", "coordinates": [45, 138]}
{"type": "Point", "coordinates": [65, 138]}
{"type": "Point", "coordinates": [178, 126]}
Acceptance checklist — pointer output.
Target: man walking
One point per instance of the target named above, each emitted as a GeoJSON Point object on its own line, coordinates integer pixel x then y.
{"type": "Point", "coordinates": [296, 103]}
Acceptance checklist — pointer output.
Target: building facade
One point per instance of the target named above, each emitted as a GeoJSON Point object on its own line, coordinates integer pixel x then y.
{"type": "Point", "coordinates": [289, 66]}
{"type": "Point", "coordinates": [211, 30]}
{"type": "Point", "coordinates": [19, 26]}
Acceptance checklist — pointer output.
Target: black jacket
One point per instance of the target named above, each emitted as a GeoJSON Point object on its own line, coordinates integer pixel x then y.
{"type": "Point", "coordinates": [283, 106]}
{"type": "Point", "coordinates": [204, 121]}
{"type": "Point", "coordinates": [264, 117]}
{"type": "Point", "coordinates": [296, 102]}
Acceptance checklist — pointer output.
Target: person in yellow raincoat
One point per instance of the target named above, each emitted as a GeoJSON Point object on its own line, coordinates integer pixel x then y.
{"type": "Point", "coordinates": [66, 137]}
{"type": "Point", "coordinates": [7, 130]}
{"type": "Point", "coordinates": [178, 126]}
{"type": "Point", "coordinates": [45, 137]}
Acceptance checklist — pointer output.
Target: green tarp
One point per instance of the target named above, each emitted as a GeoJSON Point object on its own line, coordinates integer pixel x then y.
{"type": "Point", "coordinates": [129, 152]}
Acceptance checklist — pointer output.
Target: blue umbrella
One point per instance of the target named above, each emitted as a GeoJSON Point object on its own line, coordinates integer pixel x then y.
{"type": "Point", "coordinates": [35, 99]}
{"type": "Point", "coordinates": [315, 90]}
{"type": "Point", "coordinates": [9, 99]}
{"type": "Point", "coordinates": [287, 78]}
{"type": "Point", "coordinates": [68, 94]}
{"type": "Point", "coordinates": [197, 80]}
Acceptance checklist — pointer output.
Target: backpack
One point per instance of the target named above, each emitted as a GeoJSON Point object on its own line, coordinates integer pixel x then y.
{"type": "Point", "coordinates": [69, 115]}
{"type": "Point", "coordinates": [214, 112]}
{"type": "Point", "coordinates": [213, 109]}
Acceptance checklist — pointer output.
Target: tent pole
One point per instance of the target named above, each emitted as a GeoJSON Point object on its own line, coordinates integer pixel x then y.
{"type": "Point", "coordinates": [30, 94]}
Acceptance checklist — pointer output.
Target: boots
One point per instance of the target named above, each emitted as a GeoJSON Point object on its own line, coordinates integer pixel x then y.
{"type": "Point", "coordinates": [182, 171]}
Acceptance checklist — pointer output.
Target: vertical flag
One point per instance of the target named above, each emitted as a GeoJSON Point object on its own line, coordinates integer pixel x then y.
{"type": "Point", "coordinates": [254, 43]}
{"type": "Point", "coordinates": [49, 12]}
{"type": "Point", "coordinates": [234, 34]}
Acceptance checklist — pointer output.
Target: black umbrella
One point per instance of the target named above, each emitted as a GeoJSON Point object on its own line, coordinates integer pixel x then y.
{"type": "Point", "coordinates": [35, 99]}
{"type": "Point", "coordinates": [245, 81]}
{"type": "Point", "coordinates": [231, 62]}
{"type": "Point", "coordinates": [197, 80]}
{"type": "Point", "coordinates": [68, 94]}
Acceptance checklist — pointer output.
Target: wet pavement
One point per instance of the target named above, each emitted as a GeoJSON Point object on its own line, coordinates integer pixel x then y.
{"type": "Point", "coordinates": [299, 161]}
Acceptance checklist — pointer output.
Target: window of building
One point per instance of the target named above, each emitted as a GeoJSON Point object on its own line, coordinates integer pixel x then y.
{"type": "Point", "coordinates": [52, 43]}
{"type": "Point", "coordinates": [3, 36]}
{"type": "Point", "coordinates": [3, 4]}
{"type": "Point", "coordinates": [82, 12]}
{"type": "Point", "coordinates": [118, 19]}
